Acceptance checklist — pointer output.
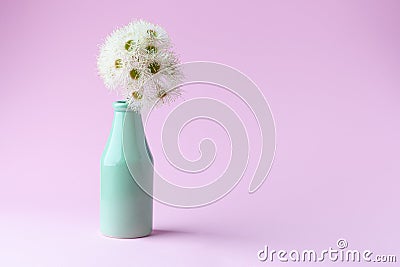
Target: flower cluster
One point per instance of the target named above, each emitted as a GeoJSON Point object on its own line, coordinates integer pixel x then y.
{"type": "Point", "coordinates": [138, 60]}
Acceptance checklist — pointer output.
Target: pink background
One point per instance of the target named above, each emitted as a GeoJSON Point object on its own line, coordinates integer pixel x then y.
{"type": "Point", "coordinates": [329, 70]}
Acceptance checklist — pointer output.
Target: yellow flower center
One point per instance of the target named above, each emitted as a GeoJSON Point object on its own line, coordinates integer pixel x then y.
{"type": "Point", "coordinates": [152, 33]}
{"type": "Point", "coordinates": [162, 94]}
{"type": "Point", "coordinates": [154, 67]}
{"type": "Point", "coordinates": [129, 45]}
{"type": "Point", "coordinates": [137, 95]}
{"type": "Point", "coordinates": [151, 49]}
{"type": "Point", "coordinates": [134, 73]}
{"type": "Point", "coordinates": [118, 63]}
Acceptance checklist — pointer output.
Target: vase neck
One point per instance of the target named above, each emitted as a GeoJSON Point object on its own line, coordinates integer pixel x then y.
{"type": "Point", "coordinates": [127, 140]}
{"type": "Point", "coordinates": [127, 121]}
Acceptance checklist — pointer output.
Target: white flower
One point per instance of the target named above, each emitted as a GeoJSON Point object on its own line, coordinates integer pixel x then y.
{"type": "Point", "coordinates": [138, 60]}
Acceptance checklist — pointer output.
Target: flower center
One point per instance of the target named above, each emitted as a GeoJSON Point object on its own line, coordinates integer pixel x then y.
{"type": "Point", "coordinates": [151, 49]}
{"type": "Point", "coordinates": [137, 95]}
{"type": "Point", "coordinates": [129, 45]}
{"type": "Point", "coordinates": [162, 94]}
{"type": "Point", "coordinates": [152, 33]}
{"type": "Point", "coordinates": [154, 67]}
{"type": "Point", "coordinates": [118, 63]}
{"type": "Point", "coordinates": [134, 73]}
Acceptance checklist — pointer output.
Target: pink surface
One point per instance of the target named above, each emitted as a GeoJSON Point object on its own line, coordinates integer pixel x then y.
{"type": "Point", "coordinates": [329, 70]}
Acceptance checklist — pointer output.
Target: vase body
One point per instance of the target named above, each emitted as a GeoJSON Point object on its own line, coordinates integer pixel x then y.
{"type": "Point", "coordinates": [126, 210]}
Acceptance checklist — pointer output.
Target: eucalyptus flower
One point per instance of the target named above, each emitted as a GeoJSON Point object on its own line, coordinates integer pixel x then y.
{"type": "Point", "coordinates": [137, 60]}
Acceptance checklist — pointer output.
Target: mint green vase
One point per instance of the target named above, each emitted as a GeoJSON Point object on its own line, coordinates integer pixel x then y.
{"type": "Point", "coordinates": [126, 210]}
